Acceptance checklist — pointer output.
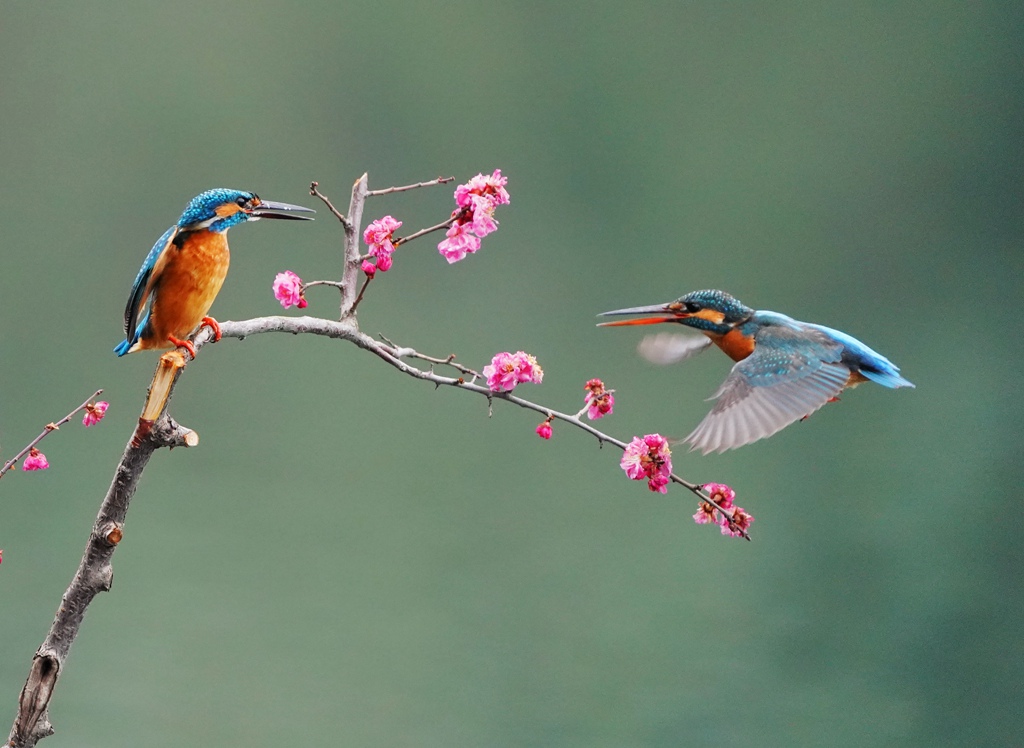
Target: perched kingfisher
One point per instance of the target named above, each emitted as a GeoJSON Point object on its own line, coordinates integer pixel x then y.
{"type": "Point", "coordinates": [184, 271]}
{"type": "Point", "coordinates": [785, 370]}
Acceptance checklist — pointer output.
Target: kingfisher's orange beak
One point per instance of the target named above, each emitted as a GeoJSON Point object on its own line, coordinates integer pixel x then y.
{"type": "Point", "coordinates": [670, 312]}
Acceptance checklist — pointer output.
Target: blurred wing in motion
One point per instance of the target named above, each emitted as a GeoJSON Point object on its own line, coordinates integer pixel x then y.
{"type": "Point", "coordinates": [666, 348]}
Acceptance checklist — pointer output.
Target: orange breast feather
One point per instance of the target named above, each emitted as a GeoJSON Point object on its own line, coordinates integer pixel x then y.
{"type": "Point", "coordinates": [190, 282]}
{"type": "Point", "coordinates": [735, 344]}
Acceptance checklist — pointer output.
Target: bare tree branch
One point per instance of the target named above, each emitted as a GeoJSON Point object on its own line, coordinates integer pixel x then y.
{"type": "Point", "coordinates": [393, 355]}
{"type": "Point", "coordinates": [390, 190]}
{"type": "Point", "coordinates": [94, 575]}
{"type": "Point", "coordinates": [157, 429]}
{"type": "Point", "coordinates": [350, 264]}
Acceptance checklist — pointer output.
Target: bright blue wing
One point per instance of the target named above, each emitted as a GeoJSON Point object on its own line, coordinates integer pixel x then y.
{"type": "Point", "coordinates": [868, 362]}
{"type": "Point", "coordinates": [793, 371]}
{"type": "Point", "coordinates": [140, 293]}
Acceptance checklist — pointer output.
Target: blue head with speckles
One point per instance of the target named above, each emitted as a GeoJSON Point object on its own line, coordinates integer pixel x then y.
{"type": "Point", "coordinates": [220, 209]}
{"type": "Point", "coordinates": [732, 309]}
{"type": "Point", "coordinates": [710, 310]}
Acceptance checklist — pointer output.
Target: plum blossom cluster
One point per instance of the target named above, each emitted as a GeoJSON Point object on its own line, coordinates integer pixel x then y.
{"type": "Point", "coordinates": [599, 401]}
{"type": "Point", "coordinates": [649, 457]}
{"type": "Point", "coordinates": [473, 219]}
{"type": "Point", "coordinates": [288, 290]}
{"type": "Point", "coordinates": [378, 236]}
{"type": "Point", "coordinates": [506, 370]}
{"type": "Point", "coordinates": [732, 519]}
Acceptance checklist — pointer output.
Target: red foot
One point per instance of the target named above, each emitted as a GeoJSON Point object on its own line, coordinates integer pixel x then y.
{"type": "Point", "coordinates": [833, 400]}
{"type": "Point", "coordinates": [187, 345]}
{"type": "Point", "coordinates": [212, 324]}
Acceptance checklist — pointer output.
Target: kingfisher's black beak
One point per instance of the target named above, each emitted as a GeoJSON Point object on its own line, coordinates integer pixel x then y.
{"type": "Point", "coordinates": [285, 211]}
{"type": "Point", "coordinates": [670, 312]}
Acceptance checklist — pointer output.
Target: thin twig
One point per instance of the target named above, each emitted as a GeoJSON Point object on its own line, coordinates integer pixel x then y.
{"type": "Point", "coordinates": [422, 232]}
{"type": "Point", "coordinates": [355, 304]}
{"type": "Point", "coordinates": [337, 284]}
{"type": "Point", "coordinates": [49, 428]}
{"type": "Point", "coordinates": [449, 360]}
{"type": "Point", "coordinates": [389, 190]}
{"type": "Point", "coordinates": [330, 206]}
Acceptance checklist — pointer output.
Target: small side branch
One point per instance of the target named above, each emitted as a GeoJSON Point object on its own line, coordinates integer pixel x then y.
{"type": "Point", "coordinates": [423, 232]}
{"type": "Point", "coordinates": [313, 190]}
{"type": "Point", "coordinates": [390, 190]}
{"type": "Point", "coordinates": [50, 427]}
{"type": "Point", "coordinates": [449, 360]}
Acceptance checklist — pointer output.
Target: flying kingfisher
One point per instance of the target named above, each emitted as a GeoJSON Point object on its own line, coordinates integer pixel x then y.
{"type": "Point", "coordinates": [785, 369]}
{"type": "Point", "coordinates": [184, 271]}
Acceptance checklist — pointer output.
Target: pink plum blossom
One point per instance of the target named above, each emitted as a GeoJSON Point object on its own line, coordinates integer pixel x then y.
{"type": "Point", "coordinates": [706, 513]}
{"type": "Point", "coordinates": [483, 216]}
{"type": "Point", "coordinates": [506, 370]}
{"type": "Point", "coordinates": [740, 522]}
{"type": "Point", "coordinates": [369, 268]}
{"type": "Point", "coordinates": [658, 483]}
{"type": "Point", "coordinates": [527, 368]}
{"type": "Point", "coordinates": [378, 233]}
{"type": "Point", "coordinates": [378, 237]}
{"type": "Point", "coordinates": [473, 219]}
{"type": "Point", "coordinates": [501, 373]}
{"type": "Point", "coordinates": [492, 186]}
{"type": "Point", "coordinates": [544, 430]}
{"type": "Point", "coordinates": [36, 460]}
{"type": "Point", "coordinates": [649, 457]}
{"type": "Point", "coordinates": [632, 459]}
{"type": "Point", "coordinates": [288, 290]}
{"type": "Point", "coordinates": [459, 243]}
{"type": "Point", "coordinates": [599, 401]}
{"type": "Point", "coordinates": [720, 493]}
{"type": "Point", "coordinates": [94, 413]}
{"type": "Point", "coordinates": [733, 521]}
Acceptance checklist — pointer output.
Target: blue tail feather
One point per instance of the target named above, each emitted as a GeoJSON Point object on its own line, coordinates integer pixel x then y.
{"type": "Point", "coordinates": [887, 378]}
{"type": "Point", "coordinates": [125, 345]}
{"type": "Point", "coordinates": [868, 362]}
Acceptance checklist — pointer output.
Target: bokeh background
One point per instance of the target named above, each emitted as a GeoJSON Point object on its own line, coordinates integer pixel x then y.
{"type": "Point", "coordinates": [352, 558]}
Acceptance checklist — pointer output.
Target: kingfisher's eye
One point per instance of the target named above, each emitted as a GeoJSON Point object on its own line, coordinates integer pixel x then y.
{"type": "Point", "coordinates": [692, 307]}
{"type": "Point", "coordinates": [241, 201]}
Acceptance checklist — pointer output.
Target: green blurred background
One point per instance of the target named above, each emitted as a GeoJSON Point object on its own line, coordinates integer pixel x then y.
{"type": "Point", "coordinates": [353, 558]}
